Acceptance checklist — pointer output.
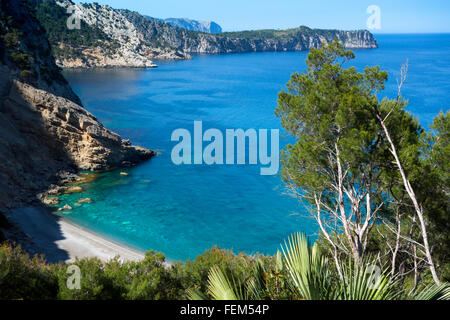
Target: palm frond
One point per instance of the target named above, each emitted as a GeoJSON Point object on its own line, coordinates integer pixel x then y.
{"type": "Point", "coordinates": [196, 295]}
{"type": "Point", "coordinates": [367, 281]}
{"type": "Point", "coordinates": [432, 292]}
{"type": "Point", "coordinates": [310, 278]}
{"type": "Point", "coordinates": [307, 269]}
{"type": "Point", "coordinates": [256, 286]}
{"type": "Point", "coordinates": [221, 288]}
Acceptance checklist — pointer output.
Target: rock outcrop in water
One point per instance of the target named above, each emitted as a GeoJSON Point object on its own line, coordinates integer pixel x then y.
{"type": "Point", "coordinates": [126, 38]}
{"type": "Point", "coordinates": [45, 134]}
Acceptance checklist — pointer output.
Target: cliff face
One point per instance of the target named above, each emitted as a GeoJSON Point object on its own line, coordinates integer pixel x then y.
{"type": "Point", "coordinates": [297, 41]}
{"type": "Point", "coordinates": [104, 37]}
{"type": "Point", "coordinates": [194, 25]}
{"type": "Point", "coordinates": [125, 38]}
{"type": "Point", "coordinates": [45, 133]}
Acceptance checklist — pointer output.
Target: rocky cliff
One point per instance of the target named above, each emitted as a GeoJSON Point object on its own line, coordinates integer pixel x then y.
{"type": "Point", "coordinates": [45, 133]}
{"type": "Point", "coordinates": [297, 39]}
{"type": "Point", "coordinates": [194, 25]}
{"type": "Point", "coordinates": [92, 36]}
{"type": "Point", "coordinates": [125, 38]}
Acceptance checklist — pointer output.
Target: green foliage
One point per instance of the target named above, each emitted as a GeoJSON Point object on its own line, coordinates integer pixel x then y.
{"type": "Point", "coordinates": [259, 278]}
{"type": "Point", "coordinates": [327, 108]}
{"type": "Point", "coordinates": [25, 278]}
{"type": "Point", "coordinates": [196, 272]}
{"type": "Point", "coordinates": [220, 288]}
{"type": "Point", "coordinates": [435, 189]}
{"type": "Point", "coordinates": [305, 274]}
{"type": "Point", "coordinates": [313, 278]}
{"type": "Point", "coordinates": [95, 283]}
{"type": "Point", "coordinates": [12, 39]}
{"type": "Point", "coordinates": [67, 43]}
{"type": "Point", "coordinates": [296, 33]}
{"type": "Point", "coordinates": [27, 75]}
{"type": "Point", "coordinates": [54, 19]}
{"type": "Point", "coordinates": [23, 46]}
{"type": "Point", "coordinates": [308, 269]}
{"type": "Point", "coordinates": [151, 278]}
{"type": "Point", "coordinates": [310, 278]}
{"type": "Point", "coordinates": [342, 154]}
{"type": "Point", "coordinates": [363, 282]}
{"type": "Point", "coordinates": [432, 292]}
{"type": "Point", "coordinates": [22, 60]}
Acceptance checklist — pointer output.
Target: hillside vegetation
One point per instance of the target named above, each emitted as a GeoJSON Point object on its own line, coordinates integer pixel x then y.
{"type": "Point", "coordinates": [118, 37]}
{"type": "Point", "coordinates": [274, 34]}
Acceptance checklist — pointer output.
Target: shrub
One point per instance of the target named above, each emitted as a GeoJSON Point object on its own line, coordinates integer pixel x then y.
{"type": "Point", "coordinates": [25, 278]}
{"type": "Point", "coordinates": [195, 272]}
{"type": "Point", "coordinates": [149, 279]}
{"type": "Point", "coordinates": [27, 75]}
{"type": "Point", "coordinates": [22, 60]}
{"type": "Point", "coordinates": [95, 284]}
{"type": "Point", "coordinates": [11, 39]}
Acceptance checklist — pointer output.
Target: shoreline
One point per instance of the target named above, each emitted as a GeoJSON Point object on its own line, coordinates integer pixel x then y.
{"type": "Point", "coordinates": [63, 241]}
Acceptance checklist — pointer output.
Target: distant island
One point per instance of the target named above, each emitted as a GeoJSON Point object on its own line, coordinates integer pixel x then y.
{"type": "Point", "coordinates": [194, 25]}
{"type": "Point", "coordinates": [121, 38]}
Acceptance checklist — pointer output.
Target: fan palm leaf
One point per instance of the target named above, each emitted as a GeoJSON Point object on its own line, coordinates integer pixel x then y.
{"type": "Point", "coordinates": [432, 292]}
{"type": "Point", "coordinates": [307, 269]}
{"type": "Point", "coordinates": [367, 281]}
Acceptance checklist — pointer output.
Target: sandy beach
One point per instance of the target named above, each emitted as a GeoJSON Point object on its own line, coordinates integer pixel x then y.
{"type": "Point", "coordinates": [61, 240]}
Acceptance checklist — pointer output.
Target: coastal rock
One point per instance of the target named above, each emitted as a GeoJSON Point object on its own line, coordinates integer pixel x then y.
{"type": "Point", "coordinates": [87, 177]}
{"type": "Point", "coordinates": [87, 200]}
{"type": "Point", "coordinates": [125, 38]}
{"type": "Point", "coordinates": [55, 190]}
{"type": "Point", "coordinates": [43, 134]}
{"type": "Point", "coordinates": [50, 201]}
{"type": "Point", "coordinates": [87, 143]}
{"type": "Point", "coordinates": [118, 44]}
{"type": "Point", "coordinates": [297, 39]}
{"type": "Point", "coordinates": [97, 57]}
{"type": "Point", "coordinates": [74, 190]}
{"type": "Point", "coordinates": [46, 136]}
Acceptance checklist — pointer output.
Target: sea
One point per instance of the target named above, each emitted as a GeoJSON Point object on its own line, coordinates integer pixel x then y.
{"type": "Point", "coordinates": [183, 210]}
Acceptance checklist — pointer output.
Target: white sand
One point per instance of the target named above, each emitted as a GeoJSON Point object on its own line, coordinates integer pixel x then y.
{"type": "Point", "coordinates": [61, 240]}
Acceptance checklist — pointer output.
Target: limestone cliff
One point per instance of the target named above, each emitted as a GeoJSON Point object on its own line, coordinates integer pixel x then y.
{"type": "Point", "coordinates": [103, 38]}
{"type": "Point", "coordinates": [125, 38]}
{"type": "Point", "coordinates": [45, 133]}
{"type": "Point", "coordinates": [194, 25]}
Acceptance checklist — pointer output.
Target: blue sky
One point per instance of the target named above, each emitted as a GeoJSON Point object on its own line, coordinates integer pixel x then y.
{"type": "Point", "coordinates": [397, 16]}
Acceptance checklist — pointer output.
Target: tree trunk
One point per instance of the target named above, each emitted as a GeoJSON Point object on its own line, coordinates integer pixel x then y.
{"type": "Point", "coordinates": [413, 198]}
{"type": "Point", "coordinates": [354, 247]}
{"type": "Point", "coordinates": [397, 244]}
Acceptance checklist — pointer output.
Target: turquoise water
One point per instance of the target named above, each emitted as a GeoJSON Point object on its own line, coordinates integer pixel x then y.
{"type": "Point", "coordinates": [183, 210]}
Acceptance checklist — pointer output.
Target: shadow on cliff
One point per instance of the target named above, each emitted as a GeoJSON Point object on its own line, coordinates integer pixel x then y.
{"type": "Point", "coordinates": [42, 228]}
{"type": "Point", "coordinates": [31, 160]}
{"type": "Point", "coordinates": [38, 146]}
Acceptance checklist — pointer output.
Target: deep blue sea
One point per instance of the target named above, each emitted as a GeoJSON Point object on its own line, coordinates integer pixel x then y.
{"type": "Point", "coordinates": [184, 210]}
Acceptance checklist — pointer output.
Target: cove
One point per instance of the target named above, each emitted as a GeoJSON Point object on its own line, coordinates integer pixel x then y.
{"type": "Point", "coordinates": [184, 210]}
